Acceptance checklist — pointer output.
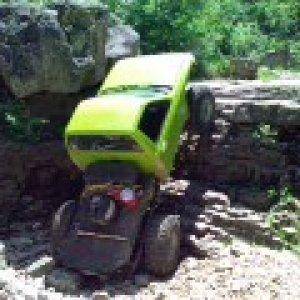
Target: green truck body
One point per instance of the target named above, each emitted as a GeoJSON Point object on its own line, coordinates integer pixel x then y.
{"type": "Point", "coordinates": [137, 117]}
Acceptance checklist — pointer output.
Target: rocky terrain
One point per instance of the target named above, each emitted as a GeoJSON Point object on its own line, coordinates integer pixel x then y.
{"type": "Point", "coordinates": [254, 144]}
{"type": "Point", "coordinates": [228, 247]}
{"type": "Point", "coordinates": [227, 252]}
{"type": "Point", "coordinates": [240, 271]}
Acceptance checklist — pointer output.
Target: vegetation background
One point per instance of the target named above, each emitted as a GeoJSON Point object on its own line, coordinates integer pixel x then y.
{"type": "Point", "coordinates": [216, 31]}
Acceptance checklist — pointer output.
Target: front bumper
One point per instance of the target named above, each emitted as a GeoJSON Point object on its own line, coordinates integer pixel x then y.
{"type": "Point", "coordinates": [93, 251]}
{"type": "Point", "coordinates": [95, 254]}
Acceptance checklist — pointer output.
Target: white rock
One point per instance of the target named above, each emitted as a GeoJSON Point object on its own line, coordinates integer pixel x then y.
{"type": "Point", "coordinates": [3, 295]}
{"type": "Point", "coordinates": [2, 248]}
{"type": "Point", "coordinates": [192, 263]}
{"type": "Point", "coordinates": [41, 267]}
{"type": "Point", "coordinates": [100, 295]}
{"type": "Point", "coordinates": [2, 257]}
{"type": "Point", "coordinates": [6, 276]}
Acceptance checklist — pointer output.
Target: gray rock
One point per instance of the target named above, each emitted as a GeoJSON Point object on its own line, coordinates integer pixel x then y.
{"type": "Point", "coordinates": [63, 281]}
{"type": "Point", "coordinates": [41, 267]}
{"type": "Point", "coordinates": [220, 233]}
{"type": "Point", "coordinates": [141, 280]}
{"type": "Point", "coordinates": [197, 246]}
{"type": "Point", "coordinates": [201, 229]}
{"type": "Point", "coordinates": [21, 242]}
{"type": "Point", "coordinates": [221, 219]}
{"type": "Point", "coordinates": [2, 249]}
{"type": "Point", "coordinates": [59, 49]}
{"type": "Point", "coordinates": [235, 251]}
{"type": "Point", "coordinates": [238, 212]}
{"type": "Point", "coordinates": [2, 257]}
{"type": "Point", "coordinates": [123, 41]}
{"type": "Point", "coordinates": [215, 198]}
{"type": "Point", "coordinates": [100, 295]}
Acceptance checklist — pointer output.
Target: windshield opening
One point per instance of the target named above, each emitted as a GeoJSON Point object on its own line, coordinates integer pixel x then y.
{"type": "Point", "coordinates": [139, 89]}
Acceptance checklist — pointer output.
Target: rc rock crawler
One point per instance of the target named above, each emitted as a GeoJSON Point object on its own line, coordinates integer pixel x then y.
{"type": "Point", "coordinates": [125, 141]}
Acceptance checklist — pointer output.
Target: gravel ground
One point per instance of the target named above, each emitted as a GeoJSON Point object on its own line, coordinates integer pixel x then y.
{"type": "Point", "coordinates": [239, 271]}
{"type": "Point", "coordinates": [232, 269]}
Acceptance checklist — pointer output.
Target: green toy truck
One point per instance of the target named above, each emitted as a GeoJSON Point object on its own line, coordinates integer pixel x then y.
{"type": "Point", "coordinates": [125, 141]}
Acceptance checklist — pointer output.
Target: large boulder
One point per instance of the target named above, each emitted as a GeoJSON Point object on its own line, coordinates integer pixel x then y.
{"type": "Point", "coordinates": [57, 49]}
{"type": "Point", "coordinates": [122, 41]}
{"type": "Point", "coordinates": [36, 178]}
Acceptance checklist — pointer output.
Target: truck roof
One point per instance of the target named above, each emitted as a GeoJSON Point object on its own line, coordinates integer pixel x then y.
{"type": "Point", "coordinates": [149, 70]}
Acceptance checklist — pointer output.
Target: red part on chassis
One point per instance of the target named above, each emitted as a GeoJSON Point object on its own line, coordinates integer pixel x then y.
{"type": "Point", "coordinates": [128, 197]}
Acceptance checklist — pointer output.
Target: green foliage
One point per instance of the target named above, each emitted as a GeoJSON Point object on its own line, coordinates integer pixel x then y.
{"type": "Point", "coordinates": [214, 30]}
{"type": "Point", "coordinates": [266, 74]}
{"type": "Point", "coordinates": [285, 198]}
{"type": "Point", "coordinates": [272, 195]}
{"type": "Point", "coordinates": [265, 134]}
{"type": "Point", "coordinates": [284, 218]}
{"type": "Point", "coordinates": [19, 127]}
{"type": "Point", "coordinates": [163, 25]}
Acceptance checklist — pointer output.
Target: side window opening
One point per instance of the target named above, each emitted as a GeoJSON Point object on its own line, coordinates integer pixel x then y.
{"type": "Point", "coordinates": [153, 118]}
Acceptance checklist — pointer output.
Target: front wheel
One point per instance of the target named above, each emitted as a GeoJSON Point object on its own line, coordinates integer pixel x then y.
{"type": "Point", "coordinates": [162, 244]}
{"type": "Point", "coordinates": [61, 226]}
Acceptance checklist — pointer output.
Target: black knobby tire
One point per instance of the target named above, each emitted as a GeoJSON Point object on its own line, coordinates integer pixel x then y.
{"type": "Point", "coordinates": [162, 244]}
{"type": "Point", "coordinates": [61, 225]}
{"type": "Point", "coordinates": [202, 109]}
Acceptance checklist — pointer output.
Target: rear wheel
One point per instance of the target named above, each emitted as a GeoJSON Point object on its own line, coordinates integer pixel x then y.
{"type": "Point", "coordinates": [61, 226]}
{"type": "Point", "coordinates": [202, 109]}
{"type": "Point", "coordinates": [162, 244]}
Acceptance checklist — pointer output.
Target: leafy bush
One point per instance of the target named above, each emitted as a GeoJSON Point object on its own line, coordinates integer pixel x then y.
{"type": "Point", "coordinates": [266, 74]}
{"type": "Point", "coordinates": [19, 127]}
{"type": "Point", "coordinates": [214, 30]}
{"type": "Point", "coordinates": [265, 135]}
{"type": "Point", "coordinates": [284, 218]}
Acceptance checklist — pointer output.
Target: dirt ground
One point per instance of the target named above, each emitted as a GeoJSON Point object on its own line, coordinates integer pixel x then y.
{"type": "Point", "coordinates": [239, 271]}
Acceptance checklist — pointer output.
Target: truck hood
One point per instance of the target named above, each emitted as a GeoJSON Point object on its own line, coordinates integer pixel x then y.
{"type": "Point", "coordinates": [150, 70]}
{"type": "Point", "coordinates": [107, 113]}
